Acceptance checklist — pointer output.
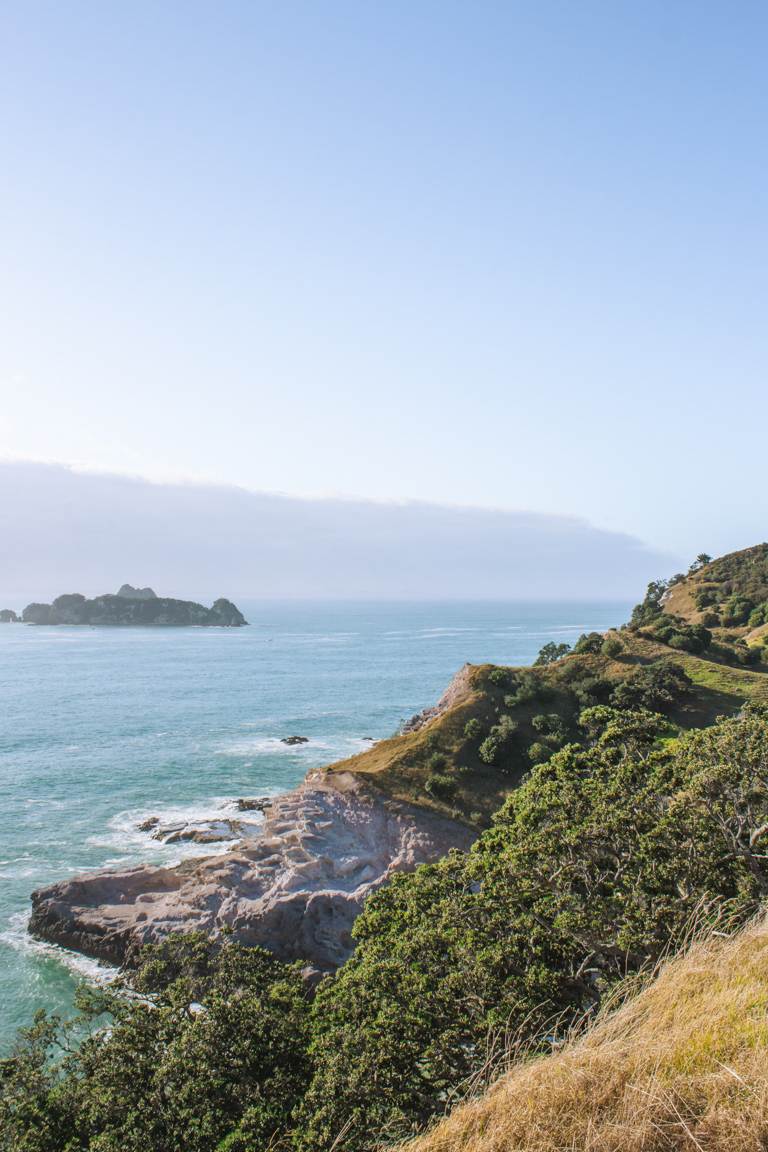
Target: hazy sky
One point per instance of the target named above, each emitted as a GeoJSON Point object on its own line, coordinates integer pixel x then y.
{"type": "Point", "coordinates": [65, 531]}
{"type": "Point", "coordinates": [507, 254]}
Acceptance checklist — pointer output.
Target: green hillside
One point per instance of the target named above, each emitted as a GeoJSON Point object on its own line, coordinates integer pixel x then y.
{"type": "Point", "coordinates": [620, 792]}
{"type": "Point", "coordinates": [671, 658]}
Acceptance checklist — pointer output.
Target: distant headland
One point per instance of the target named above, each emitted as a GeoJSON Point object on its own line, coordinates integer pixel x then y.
{"type": "Point", "coordinates": [137, 607]}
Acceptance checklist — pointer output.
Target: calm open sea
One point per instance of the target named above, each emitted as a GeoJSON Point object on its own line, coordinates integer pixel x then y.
{"type": "Point", "coordinates": [101, 727]}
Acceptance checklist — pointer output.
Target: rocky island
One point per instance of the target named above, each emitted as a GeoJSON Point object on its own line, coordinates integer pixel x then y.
{"type": "Point", "coordinates": [139, 607]}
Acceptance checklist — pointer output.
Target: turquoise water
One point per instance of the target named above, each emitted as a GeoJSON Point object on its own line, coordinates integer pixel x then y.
{"type": "Point", "coordinates": [100, 728]}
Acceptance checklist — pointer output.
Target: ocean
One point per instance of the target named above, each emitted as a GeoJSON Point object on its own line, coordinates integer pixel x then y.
{"type": "Point", "coordinates": [101, 728]}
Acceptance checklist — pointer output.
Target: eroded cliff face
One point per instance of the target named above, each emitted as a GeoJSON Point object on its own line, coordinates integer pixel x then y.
{"type": "Point", "coordinates": [296, 890]}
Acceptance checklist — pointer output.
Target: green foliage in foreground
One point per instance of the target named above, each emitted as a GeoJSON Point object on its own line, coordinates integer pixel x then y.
{"type": "Point", "coordinates": [593, 865]}
{"type": "Point", "coordinates": [212, 1047]}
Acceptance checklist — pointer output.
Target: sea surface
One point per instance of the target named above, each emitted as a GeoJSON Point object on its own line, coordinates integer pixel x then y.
{"type": "Point", "coordinates": [102, 727]}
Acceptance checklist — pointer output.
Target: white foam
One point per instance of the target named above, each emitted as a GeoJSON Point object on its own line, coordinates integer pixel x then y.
{"type": "Point", "coordinates": [17, 936]}
{"type": "Point", "coordinates": [322, 750]}
{"type": "Point", "coordinates": [270, 745]}
{"type": "Point", "coordinates": [124, 836]}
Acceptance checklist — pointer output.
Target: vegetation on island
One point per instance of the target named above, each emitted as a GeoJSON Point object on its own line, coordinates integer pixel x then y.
{"type": "Point", "coordinates": [622, 792]}
{"type": "Point", "coordinates": [133, 607]}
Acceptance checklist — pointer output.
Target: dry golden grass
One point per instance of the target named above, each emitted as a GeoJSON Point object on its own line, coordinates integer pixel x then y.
{"type": "Point", "coordinates": [681, 1066]}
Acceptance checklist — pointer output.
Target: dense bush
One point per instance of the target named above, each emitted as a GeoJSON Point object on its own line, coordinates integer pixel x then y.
{"type": "Point", "coordinates": [472, 729]}
{"type": "Point", "coordinates": [676, 633]}
{"type": "Point", "coordinates": [589, 643]}
{"type": "Point", "coordinates": [650, 608]}
{"type": "Point", "coordinates": [736, 611]}
{"type": "Point", "coordinates": [656, 687]}
{"type": "Point", "coordinates": [758, 615]}
{"type": "Point", "coordinates": [441, 786]}
{"type": "Point", "coordinates": [592, 866]}
{"type": "Point", "coordinates": [552, 652]}
{"type": "Point", "coordinates": [214, 1044]}
{"type": "Point", "coordinates": [612, 646]}
{"type": "Point", "coordinates": [498, 741]}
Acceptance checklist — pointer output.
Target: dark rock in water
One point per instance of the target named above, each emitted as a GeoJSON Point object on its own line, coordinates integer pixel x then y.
{"type": "Point", "coordinates": [139, 609]}
{"type": "Point", "coordinates": [128, 592]}
{"type": "Point", "coordinates": [211, 832]}
{"type": "Point", "coordinates": [295, 740]}
{"type": "Point", "coordinates": [148, 824]}
{"type": "Point", "coordinates": [8, 616]}
{"type": "Point", "coordinates": [253, 803]}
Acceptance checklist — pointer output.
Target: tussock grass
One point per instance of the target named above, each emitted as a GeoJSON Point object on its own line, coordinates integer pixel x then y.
{"type": "Point", "coordinates": [683, 1065]}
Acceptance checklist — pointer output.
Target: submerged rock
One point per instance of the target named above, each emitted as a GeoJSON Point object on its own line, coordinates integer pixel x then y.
{"type": "Point", "coordinates": [294, 740]}
{"type": "Point", "coordinates": [295, 889]}
{"type": "Point", "coordinates": [199, 832]}
{"type": "Point", "coordinates": [253, 803]}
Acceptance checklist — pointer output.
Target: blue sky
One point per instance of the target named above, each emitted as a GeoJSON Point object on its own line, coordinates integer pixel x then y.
{"type": "Point", "coordinates": [512, 255]}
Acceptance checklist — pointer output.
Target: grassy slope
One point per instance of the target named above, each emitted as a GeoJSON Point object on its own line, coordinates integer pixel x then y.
{"type": "Point", "coordinates": [742, 574]}
{"type": "Point", "coordinates": [680, 1066]}
{"type": "Point", "coordinates": [400, 766]}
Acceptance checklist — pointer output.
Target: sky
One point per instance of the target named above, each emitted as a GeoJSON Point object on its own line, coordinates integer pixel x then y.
{"type": "Point", "coordinates": [66, 531]}
{"type": "Point", "coordinates": [503, 255]}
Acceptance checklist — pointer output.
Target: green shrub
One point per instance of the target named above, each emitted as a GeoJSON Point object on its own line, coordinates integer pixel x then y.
{"type": "Point", "coordinates": [539, 752]}
{"type": "Point", "coordinates": [528, 687]}
{"type": "Point", "coordinates": [650, 608]}
{"type": "Point", "coordinates": [748, 655]}
{"type": "Point", "coordinates": [472, 729]}
{"type": "Point", "coordinates": [552, 652]}
{"type": "Point", "coordinates": [589, 643]}
{"type": "Point", "coordinates": [736, 611]}
{"type": "Point", "coordinates": [440, 786]}
{"type": "Point", "coordinates": [498, 740]}
{"type": "Point", "coordinates": [550, 727]}
{"type": "Point", "coordinates": [591, 867]}
{"type": "Point", "coordinates": [612, 646]}
{"type": "Point", "coordinates": [758, 616]}
{"type": "Point", "coordinates": [217, 1042]}
{"type": "Point", "coordinates": [657, 687]}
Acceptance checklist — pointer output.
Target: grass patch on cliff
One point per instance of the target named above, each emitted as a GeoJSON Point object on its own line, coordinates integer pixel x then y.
{"type": "Point", "coordinates": [444, 765]}
{"type": "Point", "coordinates": [681, 1066]}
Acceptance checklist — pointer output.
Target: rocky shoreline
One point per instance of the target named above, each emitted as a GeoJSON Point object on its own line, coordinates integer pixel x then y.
{"type": "Point", "coordinates": [295, 888]}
